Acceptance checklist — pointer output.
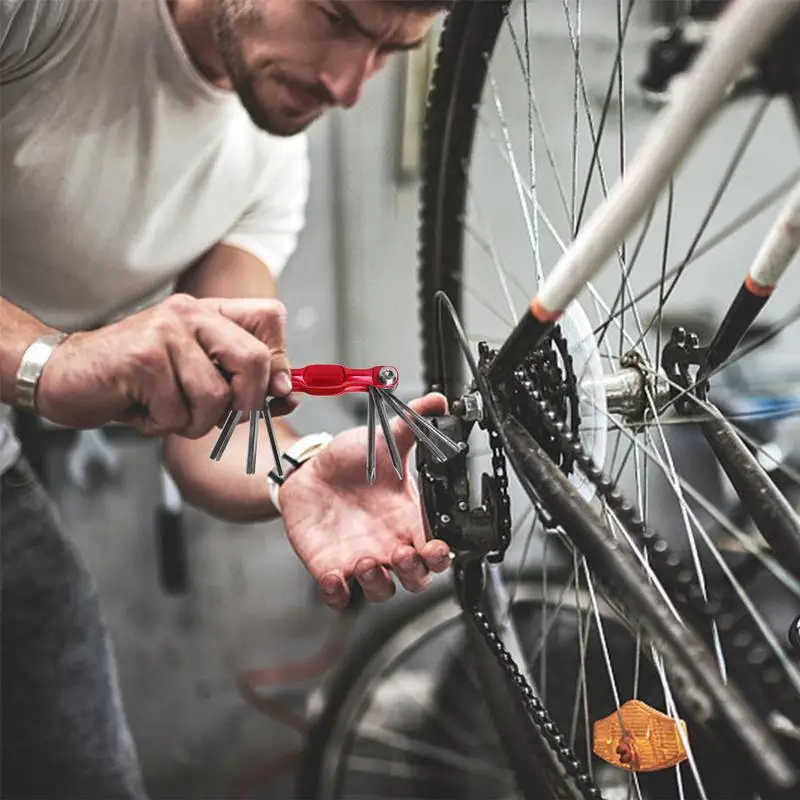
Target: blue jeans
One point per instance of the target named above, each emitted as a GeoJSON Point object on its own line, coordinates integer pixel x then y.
{"type": "Point", "coordinates": [64, 733]}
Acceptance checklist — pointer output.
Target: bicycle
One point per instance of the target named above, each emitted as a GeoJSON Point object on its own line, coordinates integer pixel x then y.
{"type": "Point", "coordinates": [682, 624]}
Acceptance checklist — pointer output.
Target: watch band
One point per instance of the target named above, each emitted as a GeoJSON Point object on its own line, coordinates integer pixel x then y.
{"type": "Point", "coordinates": [301, 451]}
{"type": "Point", "coordinates": [31, 366]}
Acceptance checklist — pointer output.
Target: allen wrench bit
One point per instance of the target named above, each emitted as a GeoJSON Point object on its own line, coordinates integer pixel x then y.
{"type": "Point", "coordinates": [252, 442]}
{"type": "Point", "coordinates": [377, 403]}
{"type": "Point", "coordinates": [333, 379]}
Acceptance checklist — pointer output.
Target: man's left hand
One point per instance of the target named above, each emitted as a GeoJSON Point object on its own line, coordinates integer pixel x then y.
{"type": "Point", "coordinates": [341, 526]}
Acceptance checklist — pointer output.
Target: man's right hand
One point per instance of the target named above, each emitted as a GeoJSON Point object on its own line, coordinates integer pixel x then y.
{"type": "Point", "coordinates": [157, 370]}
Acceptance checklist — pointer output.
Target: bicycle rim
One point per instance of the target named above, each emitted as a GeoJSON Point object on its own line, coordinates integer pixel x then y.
{"type": "Point", "coordinates": [500, 79]}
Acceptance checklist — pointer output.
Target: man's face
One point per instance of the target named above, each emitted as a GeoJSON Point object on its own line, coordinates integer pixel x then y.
{"type": "Point", "coordinates": [288, 60]}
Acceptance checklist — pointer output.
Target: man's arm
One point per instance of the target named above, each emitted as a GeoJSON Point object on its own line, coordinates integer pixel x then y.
{"type": "Point", "coordinates": [222, 488]}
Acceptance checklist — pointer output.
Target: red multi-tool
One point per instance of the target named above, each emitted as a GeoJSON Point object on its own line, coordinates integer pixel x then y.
{"type": "Point", "coordinates": [334, 379]}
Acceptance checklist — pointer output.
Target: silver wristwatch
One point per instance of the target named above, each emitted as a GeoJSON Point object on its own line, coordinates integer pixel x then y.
{"type": "Point", "coordinates": [31, 366]}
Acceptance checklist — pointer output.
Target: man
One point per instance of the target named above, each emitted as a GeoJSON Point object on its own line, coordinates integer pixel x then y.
{"type": "Point", "coordinates": [151, 147]}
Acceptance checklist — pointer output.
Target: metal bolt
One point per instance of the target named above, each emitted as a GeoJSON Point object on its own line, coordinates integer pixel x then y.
{"type": "Point", "coordinates": [387, 375]}
{"type": "Point", "coordinates": [462, 505]}
{"type": "Point", "coordinates": [445, 519]}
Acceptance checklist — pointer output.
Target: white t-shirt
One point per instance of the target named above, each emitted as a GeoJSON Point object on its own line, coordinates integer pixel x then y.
{"type": "Point", "coordinates": [121, 165]}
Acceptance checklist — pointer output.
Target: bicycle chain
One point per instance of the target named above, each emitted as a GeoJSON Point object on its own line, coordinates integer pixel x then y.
{"type": "Point", "coordinates": [562, 386]}
{"type": "Point", "coordinates": [538, 713]}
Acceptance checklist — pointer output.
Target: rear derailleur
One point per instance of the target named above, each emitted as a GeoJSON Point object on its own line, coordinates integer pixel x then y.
{"type": "Point", "coordinates": [683, 360]}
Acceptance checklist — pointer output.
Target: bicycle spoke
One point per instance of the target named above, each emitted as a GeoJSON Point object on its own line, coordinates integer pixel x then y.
{"type": "Point", "coordinates": [735, 161]}
{"type": "Point", "coordinates": [530, 226]}
{"type": "Point", "coordinates": [604, 645]}
{"type": "Point", "coordinates": [429, 751]}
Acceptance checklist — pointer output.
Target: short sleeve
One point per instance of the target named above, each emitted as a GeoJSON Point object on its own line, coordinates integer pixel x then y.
{"type": "Point", "coordinates": [269, 229]}
{"type": "Point", "coordinates": [28, 29]}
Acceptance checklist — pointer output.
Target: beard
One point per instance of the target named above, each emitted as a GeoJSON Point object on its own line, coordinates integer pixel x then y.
{"type": "Point", "coordinates": [232, 18]}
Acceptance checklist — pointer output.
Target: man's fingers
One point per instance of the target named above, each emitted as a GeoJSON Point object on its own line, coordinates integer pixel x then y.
{"type": "Point", "coordinates": [280, 406]}
{"type": "Point", "coordinates": [335, 591]}
{"type": "Point", "coordinates": [207, 392]}
{"type": "Point", "coordinates": [265, 319]}
{"type": "Point", "coordinates": [411, 570]}
{"type": "Point", "coordinates": [167, 410]}
{"type": "Point", "coordinates": [280, 384]}
{"type": "Point", "coordinates": [436, 555]}
{"type": "Point", "coordinates": [375, 580]}
{"type": "Point", "coordinates": [245, 359]}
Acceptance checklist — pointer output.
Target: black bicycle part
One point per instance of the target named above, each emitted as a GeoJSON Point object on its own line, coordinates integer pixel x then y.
{"type": "Point", "coordinates": [778, 522]}
{"type": "Point", "coordinates": [794, 634]}
{"type": "Point", "coordinates": [668, 57]}
{"type": "Point", "coordinates": [445, 490]}
{"type": "Point", "coordinates": [735, 325]}
{"type": "Point", "coordinates": [466, 43]}
{"type": "Point", "coordinates": [681, 359]}
{"type": "Point", "coordinates": [763, 501]}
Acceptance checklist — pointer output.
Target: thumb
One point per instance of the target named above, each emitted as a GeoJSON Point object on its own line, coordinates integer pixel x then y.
{"type": "Point", "coordinates": [430, 405]}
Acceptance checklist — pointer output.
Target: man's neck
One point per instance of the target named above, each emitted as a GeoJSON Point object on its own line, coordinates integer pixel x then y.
{"type": "Point", "coordinates": [193, 23]}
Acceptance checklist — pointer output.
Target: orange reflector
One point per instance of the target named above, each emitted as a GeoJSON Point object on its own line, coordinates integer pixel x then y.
{"type": "Point", "coordinates": [639, 738]}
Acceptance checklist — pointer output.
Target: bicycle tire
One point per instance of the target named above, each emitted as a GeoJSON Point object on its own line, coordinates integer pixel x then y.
{"type": "Point", "coordinates": [462, 62]}
{"type": "Point", "coordinates": [436, 606]}
{"type": "Point", "coordinates": [310, 773]}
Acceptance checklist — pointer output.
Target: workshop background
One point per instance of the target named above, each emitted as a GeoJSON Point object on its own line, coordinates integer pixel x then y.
{"type": "Point", "coordinates": [351, 291]}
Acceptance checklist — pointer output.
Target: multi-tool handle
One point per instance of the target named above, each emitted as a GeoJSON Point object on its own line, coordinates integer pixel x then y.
{"type": "Point", "coordinates": [333, 379]}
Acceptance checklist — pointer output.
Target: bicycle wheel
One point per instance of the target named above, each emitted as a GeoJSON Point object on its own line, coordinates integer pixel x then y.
{"type": "Point", "coordinates": [406, 717]}
{"type": "Point", "coordinates": [499, 104]}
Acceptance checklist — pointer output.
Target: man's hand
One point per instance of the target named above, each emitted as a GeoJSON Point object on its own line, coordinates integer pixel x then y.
{"type": "Point", "coordinates": [340, 526]}
{"type": "Point", "coordinates": [157, 370]}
